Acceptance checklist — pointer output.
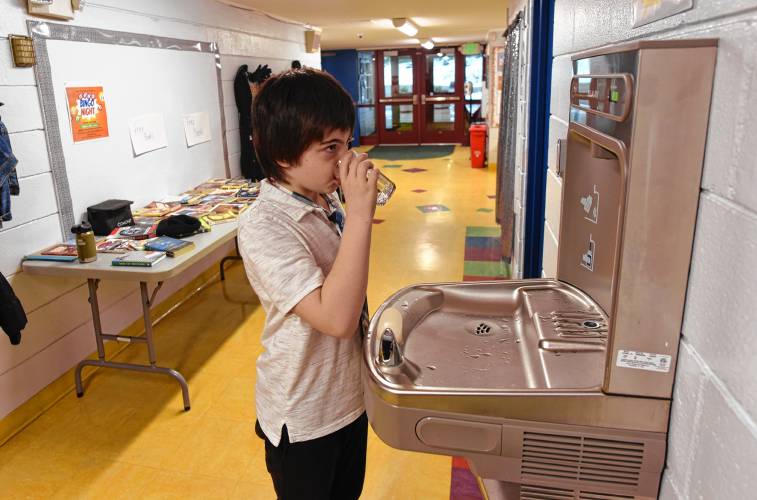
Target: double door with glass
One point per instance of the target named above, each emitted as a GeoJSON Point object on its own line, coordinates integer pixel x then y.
{"type": "Point", "coordinates": [420, 97]}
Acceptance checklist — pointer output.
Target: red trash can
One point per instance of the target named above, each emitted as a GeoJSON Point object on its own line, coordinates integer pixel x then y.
{"type": "Point", "coordinates": [478, 145]}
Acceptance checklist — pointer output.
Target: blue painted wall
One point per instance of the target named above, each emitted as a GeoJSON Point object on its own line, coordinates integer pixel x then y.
{"type": "Point", "coordinates": [538, 136]}
{"type": "Point", "coordinates": [342, 65]}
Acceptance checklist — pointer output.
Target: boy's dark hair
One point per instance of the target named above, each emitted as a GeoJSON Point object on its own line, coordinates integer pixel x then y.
{"type": "Point", "coordinates": [294, 109]}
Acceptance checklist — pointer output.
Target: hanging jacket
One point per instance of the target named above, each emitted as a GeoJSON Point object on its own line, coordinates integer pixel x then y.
{"type": "Point", "coordinates": [243, 98]}
{"type": "Point", "coordinates": [12, 315]}
{"type": "Point", "coordinates": [8, 177]}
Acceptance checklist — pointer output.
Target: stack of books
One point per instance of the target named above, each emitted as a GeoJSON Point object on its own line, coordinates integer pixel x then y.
{"type": "Point", "coordinates": [62, 252]}
{"type": "Point", "coordinates": [171, 246]}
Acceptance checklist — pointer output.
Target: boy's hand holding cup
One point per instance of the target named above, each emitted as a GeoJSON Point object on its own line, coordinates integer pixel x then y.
{"type": "Point", "coordinates": [357, 178]}
{"type": "Point", "coordinates": [354, 162]}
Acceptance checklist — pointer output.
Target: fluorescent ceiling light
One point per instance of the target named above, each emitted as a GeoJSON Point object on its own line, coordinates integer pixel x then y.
{"type": "Point", "coordinates": [405, 26]}
{"type": "Point", "coordinates": [428, 44]}
{"type": "Point", "coordinates": [383, 23]}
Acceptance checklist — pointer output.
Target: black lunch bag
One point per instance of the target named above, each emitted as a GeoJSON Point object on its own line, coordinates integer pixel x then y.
{"type": "Point", "coordinates": [108, 215]}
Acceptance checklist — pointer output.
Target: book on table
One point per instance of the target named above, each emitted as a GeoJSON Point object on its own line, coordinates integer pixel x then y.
{"type": "Point", "coordinates": [225, 212]}
{"type": "Point", "coordinates": [171, 246]}
{"type": "Point", "coordinates": [119, 245]}
{"type": "Point", "coordinates": [65, 249]}
{"type": "Point", "coordinates": [136, 232]}
{"type": "Point", "coordinates": [156, 209]}
{"type": "Point", "coordinates": [54, 258]}
{"type": "Point", "coordinates": [140, 258]}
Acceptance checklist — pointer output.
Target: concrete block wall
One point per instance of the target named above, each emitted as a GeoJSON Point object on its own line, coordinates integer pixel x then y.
{"type": "Point", "coordinates": [59, 333]}
{"type": "Point", "coordinates": [713, 433]}
{"type": "Point", "coordinates": [521, 141]}
{"type": "Point", "coordinates": [521, 158]}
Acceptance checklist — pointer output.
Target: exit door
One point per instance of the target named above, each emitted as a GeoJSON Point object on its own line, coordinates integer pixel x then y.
{"type": "Point", "coordinates": [398, 97]}
{"type": "Point", "coordinates": [420, 96]}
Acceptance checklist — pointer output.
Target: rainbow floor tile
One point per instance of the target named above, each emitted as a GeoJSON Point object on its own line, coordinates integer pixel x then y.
{"type": "Point", "coordinates": [483, 254]}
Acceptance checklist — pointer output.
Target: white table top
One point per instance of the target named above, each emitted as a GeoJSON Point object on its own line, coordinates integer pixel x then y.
{"type": "Point", "coordinates": [163, 270]}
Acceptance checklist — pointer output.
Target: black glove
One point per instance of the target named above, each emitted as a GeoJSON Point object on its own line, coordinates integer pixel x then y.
{"type": "Point", "coordinates": [260, 75]}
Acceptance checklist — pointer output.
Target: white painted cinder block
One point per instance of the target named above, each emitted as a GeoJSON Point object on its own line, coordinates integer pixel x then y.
{"type": "Point", "coordinates": [31, 150]}
{"type": "Point", "coordinates": [720, 314]}
{"type": "Point", "coordinates": [236, 169]}
{"type": "Point", "coordinates": [552, 209]}
{"type": "Point", "coordinates": [13, 75]}
{"type": "Point", "coordinates": [549, 256]}
{"type": "Point", "coordinates": [25, 239]}
{"type": "Point", "coordinates": [13, 18]}
{"type": "Point", "coordinates": [731, 157]}
{"type": "Point", "coordinates": [685, 414]}
{"type": "Point", "coordinates": [34, 292]}
{"type": "Point", "coordinates": [232, 118]}
{"type": "Point", "coordinates": [563, 30]}
{"type": "Point", "coordinates": [21, 111]}
{"type": "Point", "coordinates": [562, 72]}
{"type": "Point", "coordinates": [228, 93]}
{"type": "Point", "coordinates": [558, 129]}
{"type": "Point", "coordinates": [234, 146]}
{"type": "Point", "coordinates": [726, 452]}
{"type": "Point", "coordinates": [668, 491]}
{"type": "Point", "coordinates": [35, 201]}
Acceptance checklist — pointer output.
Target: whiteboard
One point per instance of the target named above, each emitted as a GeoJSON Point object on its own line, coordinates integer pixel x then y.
{"type": "Point", "coordinates": [136, 81]}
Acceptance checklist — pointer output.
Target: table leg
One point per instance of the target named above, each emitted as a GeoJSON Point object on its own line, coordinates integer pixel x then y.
{"type": "Point", "coordinates": [230, 257]}
{"type": "Point", "coordinates": [148, 339]}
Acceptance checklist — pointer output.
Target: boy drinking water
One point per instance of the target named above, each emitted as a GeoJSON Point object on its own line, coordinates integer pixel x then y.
{"type": "Point", "coordinates": [308, 264]}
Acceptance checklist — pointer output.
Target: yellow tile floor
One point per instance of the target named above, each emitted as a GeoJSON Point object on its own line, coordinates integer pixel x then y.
{"type": "Point", "coordinates": [128, 437]}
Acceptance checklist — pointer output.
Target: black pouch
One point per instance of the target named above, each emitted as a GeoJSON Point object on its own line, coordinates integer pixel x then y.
{"type": "Point", "coordinates": [108, 215]}
{"type": "Point", "coordinates": [178, 226]}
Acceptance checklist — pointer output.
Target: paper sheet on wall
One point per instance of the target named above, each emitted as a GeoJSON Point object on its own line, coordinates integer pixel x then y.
{"type": "Point", "coordinates": [148, 133]}
{"type": "Point", "coordinates": [197, 128]}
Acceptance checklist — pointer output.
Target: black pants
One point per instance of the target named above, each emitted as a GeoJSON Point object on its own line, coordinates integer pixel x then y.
{"type": "Point", "coordinates": [330, 467]}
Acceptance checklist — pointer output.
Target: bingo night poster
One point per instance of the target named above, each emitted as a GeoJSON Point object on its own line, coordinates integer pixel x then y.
{"type": "Point", "coordinates": [86, 108]}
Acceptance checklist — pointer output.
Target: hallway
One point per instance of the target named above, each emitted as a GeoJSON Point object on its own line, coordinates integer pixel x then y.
{"type": "Point", "coordinates": [128, 438]}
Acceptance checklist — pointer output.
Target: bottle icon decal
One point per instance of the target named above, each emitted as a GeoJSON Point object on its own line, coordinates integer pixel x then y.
{"type": "Point", "coordinates": [587, 259]}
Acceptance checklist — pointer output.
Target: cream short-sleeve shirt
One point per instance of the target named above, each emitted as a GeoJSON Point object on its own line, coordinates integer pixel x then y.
{"type": "Point", "coordinates": [305, 379]}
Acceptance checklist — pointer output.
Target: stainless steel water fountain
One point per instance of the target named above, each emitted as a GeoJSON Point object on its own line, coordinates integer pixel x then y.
{"type": "Point", "coordinates": [558, 389]}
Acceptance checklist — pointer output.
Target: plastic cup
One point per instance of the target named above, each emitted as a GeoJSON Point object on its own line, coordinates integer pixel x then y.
{"type": "Point", "coordinates": [385, 189]}
{"type": "Point", "coordinates": [384, 186]}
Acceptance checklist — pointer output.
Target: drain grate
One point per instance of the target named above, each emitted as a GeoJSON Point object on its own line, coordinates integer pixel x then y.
{"type": "Point", "coordinates": [483, 329]}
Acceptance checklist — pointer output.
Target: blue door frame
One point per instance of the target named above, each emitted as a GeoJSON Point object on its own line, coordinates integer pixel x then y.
{"type": "Point", "coordinates": [342, 65]}
{"type": "Point", "coordinates": [538, 136]}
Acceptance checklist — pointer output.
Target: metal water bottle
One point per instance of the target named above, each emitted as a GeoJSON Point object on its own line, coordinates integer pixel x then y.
{"type": "Point", "coordinates": [85, 242]}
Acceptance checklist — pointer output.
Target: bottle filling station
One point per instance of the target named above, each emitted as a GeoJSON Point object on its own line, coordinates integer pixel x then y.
{"type": "Point", "coordinates": [561, 388]}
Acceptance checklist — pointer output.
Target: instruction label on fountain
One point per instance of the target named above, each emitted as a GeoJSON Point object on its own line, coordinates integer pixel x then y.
{"type": "Point", "coordinates": [644, 361]}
